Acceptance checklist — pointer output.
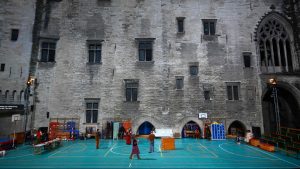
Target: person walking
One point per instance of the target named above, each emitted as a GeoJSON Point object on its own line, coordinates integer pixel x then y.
{"type": "Point", "coordinates": [151, 139]}
{"type": "Point", "coordinates": [97, 137]}
{"type": "Point", "coordinates": [135, 149]}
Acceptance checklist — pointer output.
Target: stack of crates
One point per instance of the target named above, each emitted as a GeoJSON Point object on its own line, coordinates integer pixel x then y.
{"type": "Point", "coordinates": [167, 143]}
{"type": "Point", "coordinates": [217, 132]}
{"type": "Point", "coordinates": [74, 133]}
{"type": "Point", "coordinates": [53, 129]}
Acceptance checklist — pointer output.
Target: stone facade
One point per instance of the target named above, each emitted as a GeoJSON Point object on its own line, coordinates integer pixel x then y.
{"type": "Point", "coordinates": [63, 87]}
{"type": "Point", "coordinates": [15, 55]}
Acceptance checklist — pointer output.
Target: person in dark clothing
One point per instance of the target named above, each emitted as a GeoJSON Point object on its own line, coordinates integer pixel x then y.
{"type": "Point", "coordinates": [97, 137]}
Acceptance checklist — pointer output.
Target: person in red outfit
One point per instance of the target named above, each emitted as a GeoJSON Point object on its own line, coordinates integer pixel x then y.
{"type": "Point", "coordinates": [38, 136]}
{"type": "Point", "coordinates": [135, 149]}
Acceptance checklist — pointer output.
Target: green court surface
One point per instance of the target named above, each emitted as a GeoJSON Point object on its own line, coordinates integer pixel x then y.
{"type": "Point", "coordinates": [189, 153]}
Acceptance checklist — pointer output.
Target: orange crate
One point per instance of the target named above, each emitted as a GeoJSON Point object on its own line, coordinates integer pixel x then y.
{"type": "Point", "coordinates": [168, 143]}
{"type": "Point", "coordinates": [267, 147]}
{"type": "Point", "coordinates": [255, 142]}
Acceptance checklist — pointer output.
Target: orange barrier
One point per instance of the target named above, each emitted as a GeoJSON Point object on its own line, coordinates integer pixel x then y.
{"type": "Point", "coordinates": [254, 142]}
{"type": "Point", "coordinates": [267, 147]}
{"type": "Point", "coordinates": [167, 143]}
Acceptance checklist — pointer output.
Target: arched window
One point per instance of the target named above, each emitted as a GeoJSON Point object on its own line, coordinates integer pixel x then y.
{"type": "Point", "coordinates": [13, 96]}
{"type": "Point", "coordinates": [22, 97]}
{"type": "Point", "coordinates": [274, 45]}
{"type": "Point", "coordinates": [6, 96]}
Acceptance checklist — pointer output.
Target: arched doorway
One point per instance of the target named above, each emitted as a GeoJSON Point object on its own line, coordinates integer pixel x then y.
{"type": "Point", "coordinates": [237, 127]}
{"type": "Point", "coordinates": [288, 110]}
{"type": "Point", "coordinates": [145, 128]}
{"type": "Point", "coordinates": [191, 130]}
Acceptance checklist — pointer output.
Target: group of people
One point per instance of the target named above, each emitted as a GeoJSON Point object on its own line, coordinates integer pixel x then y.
{"type": "Point", "coordinates": [247, 138]}
{"type": "Point", "coordinates": [135, 148]}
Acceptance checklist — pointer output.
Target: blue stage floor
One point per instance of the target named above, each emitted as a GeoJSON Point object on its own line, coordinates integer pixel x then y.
{"type": "Point", "coordinates": [189, 153]}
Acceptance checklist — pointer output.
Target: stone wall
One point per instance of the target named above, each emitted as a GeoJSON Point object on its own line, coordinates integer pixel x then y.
{"type": "Point", "coordinates": [63, 85]}
{"type": "Point", "coordinates": [14, 14]}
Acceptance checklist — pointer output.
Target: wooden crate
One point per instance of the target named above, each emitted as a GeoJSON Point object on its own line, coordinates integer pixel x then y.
{"type": "Point", "coordinates": [63, 135]}
{"type": "Point", "coordinates": [168, 143]}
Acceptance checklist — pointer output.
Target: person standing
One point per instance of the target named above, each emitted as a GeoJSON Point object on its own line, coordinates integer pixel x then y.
{"type": "Point", "coordinates": [97, 137]}
{"type": "Point", "coordinates": [135, 149]}
{"type": "Point", "coordinates": [151, 139]}
{"type": "Point", "coordinates": [38, 136]}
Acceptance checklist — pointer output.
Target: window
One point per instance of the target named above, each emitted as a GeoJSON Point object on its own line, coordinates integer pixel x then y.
{"type": "Point", "coordinates": [48, 52]}
{"type": "Point", "coordinates": [232, 91]}
{"type": "Point", "coordinates": [209, 26]}
{"type": "Point", "coordinates": [179, 83]}
{"type": "Point", "coordinates": [2, 67]}
{"type": "Point", "coordinates": [247, 59]}
{"type": "Point", "coordinates": [92, 106]}
{"type": "Point", "coordinates": [145, 51]}
{"type": "Point", "coordinates": [180, 24]}
{"type": "Point", "coordinates": [193, 70]}
{"type": "Point", "coordinates": [95, 53]}
{"type": "Point", "coordinates": [14, 34]}
{"type": "Point", "coordinates": [274, 46]}
{"type": "Point", "coordinates": [207, 95]}
{"type": "Point", "coordinates": [131, 90]}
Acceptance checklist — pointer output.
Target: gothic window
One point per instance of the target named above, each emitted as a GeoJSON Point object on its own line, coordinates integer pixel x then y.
{"type": "Point", "coordinates": [274, 46]}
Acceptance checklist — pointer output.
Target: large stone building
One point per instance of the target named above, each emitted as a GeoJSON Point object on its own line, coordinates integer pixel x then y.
{"type": "Point", "coordinates": [155, 62]}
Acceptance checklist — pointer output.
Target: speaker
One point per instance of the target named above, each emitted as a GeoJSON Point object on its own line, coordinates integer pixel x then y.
{"type": "Point", "coordinates": [31, 107]}
{"type": "Point", "coordinates": [48, 115]}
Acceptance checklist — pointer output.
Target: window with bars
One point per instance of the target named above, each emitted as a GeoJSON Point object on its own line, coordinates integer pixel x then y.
{"type": "Point", "coordinates": [209, 26]}
{"type": "Point", "coordinates": [131, 90]}
{"type": "Point", "coordinates": [95, 53]}
{"type": "Point", "coordinates": [48, 52]}
{"type": "Point", "coordinates": [92, 107]}
{"type": "Point", "coordinates": [233, 91]}
{"type": "Point", "coordinates": [145, 50]}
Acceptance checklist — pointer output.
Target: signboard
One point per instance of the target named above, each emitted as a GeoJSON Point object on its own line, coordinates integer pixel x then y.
{"type": "Point", "coordinates": [202, 115]}
{"type": "Point", "coordinates": [11, 107]}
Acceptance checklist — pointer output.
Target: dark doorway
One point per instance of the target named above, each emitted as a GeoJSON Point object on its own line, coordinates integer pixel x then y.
{"type": "Point", "coordinates": [145, 128]}
{"type": "Point", "coordinates": [289, 112]}
{"type": "Point", "coordinates": [191, 130]}
{"type": "Point", "coordinates": [237, 128]}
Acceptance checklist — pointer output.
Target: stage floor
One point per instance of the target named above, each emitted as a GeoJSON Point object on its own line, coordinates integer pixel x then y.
{"type": "Point", "coordinates": [189, 153]}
